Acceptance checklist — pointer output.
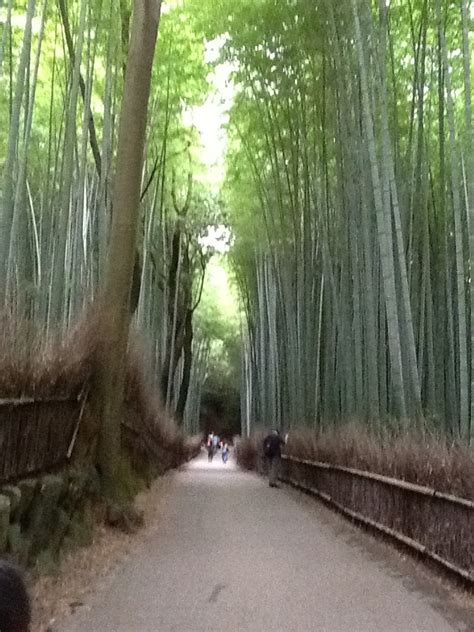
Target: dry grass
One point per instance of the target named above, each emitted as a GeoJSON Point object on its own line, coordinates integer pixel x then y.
{"type": "Point", "coordinates": [147, 414]}
{"type": "Point", "coordinates": [34, 366]}
{"type": "Point", "coordinates": [415, 457]}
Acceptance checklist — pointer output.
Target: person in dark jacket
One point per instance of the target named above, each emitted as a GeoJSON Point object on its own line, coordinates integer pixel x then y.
{"type": "Point", "coordinates": [272, 451]}
{"type": "Point", "coordinates": [210, 446]}
{"type": "Point", "coordinates": [15, 609]}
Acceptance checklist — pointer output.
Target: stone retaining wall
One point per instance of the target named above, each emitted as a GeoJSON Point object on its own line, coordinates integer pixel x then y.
{"type": "Point", "coordinates": [41, 516]}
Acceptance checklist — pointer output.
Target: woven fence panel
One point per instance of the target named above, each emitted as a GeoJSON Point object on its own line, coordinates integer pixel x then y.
{"type": "Point", "coordinates": [443, 525]}
{"type": "Point", "coordinates": [35, 436]}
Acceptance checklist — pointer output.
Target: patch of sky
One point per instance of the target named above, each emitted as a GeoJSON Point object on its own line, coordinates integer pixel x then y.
{"type": "Point", "coordinates": [216, 238]}
{"type": "Point", "coordinates": [19, 21]}
{"type": "Point", "coordinates": [210, 118]}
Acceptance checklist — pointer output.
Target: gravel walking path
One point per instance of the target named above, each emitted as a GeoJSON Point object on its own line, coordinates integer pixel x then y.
{"type": "Point", "coordinates": [230, 553]}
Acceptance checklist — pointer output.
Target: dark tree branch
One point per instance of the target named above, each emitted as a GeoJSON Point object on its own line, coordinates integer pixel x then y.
{"type": "Point", "coordinates": [150, 179]}
{"type": "Point", "coordinates": [70, 46]}
{"type": "Point", "coordinates": [203, 275]}
{"type": "Point", "coordinates": [181, 212]}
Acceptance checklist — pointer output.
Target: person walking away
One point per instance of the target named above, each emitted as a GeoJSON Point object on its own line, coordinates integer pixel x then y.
{"type": "Point", "coordinates": [210, 452]}
{"type": "Point", "coordinates": [272, 451]}
{"type": "Point", "coordinates": [225, 452]}
{"type": "Point", "coordinates": [15, 609]}
{"type": "Point", "coordinates": [210, 447]}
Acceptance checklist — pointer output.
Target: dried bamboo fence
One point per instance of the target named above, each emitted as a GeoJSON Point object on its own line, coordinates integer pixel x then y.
{"type": "Point", "coordinates": [37, 435]}
{"type": "Point", "coordinates": [437, 525]}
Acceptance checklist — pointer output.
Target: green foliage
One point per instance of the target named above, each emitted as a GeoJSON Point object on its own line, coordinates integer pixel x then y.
{"type": "Point", "coordinates": [218, 321]}
{"type": "Point", "coordinates": [349, 161]}
{"type": "Point", "coordinates": [302, 204]}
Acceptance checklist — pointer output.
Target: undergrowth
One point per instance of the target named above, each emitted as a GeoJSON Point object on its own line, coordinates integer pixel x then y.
{"type": "Point", "coordinates": [40, 367]}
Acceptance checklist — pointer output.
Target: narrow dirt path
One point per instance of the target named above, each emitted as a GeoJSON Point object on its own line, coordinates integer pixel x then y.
{"type": "Point", "coordinates": [231, 553]}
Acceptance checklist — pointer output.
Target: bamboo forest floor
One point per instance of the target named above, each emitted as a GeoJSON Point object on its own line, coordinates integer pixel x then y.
{"type": "Point", "coordinates": [228, 552]}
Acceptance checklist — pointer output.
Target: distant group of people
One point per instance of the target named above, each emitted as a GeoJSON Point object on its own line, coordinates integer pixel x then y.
{"type": "Point", "coordinates": [214, 443]}
{"type": "Point", "coordinates": [15, 609]}
{"type": "Point", "coordinates": [272, 446]}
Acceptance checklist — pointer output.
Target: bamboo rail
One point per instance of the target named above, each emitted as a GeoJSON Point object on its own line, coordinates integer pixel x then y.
{"type": "Point", "coordinates": [27, 401]}
{"type": "Point", "coordinates": [437, 525]}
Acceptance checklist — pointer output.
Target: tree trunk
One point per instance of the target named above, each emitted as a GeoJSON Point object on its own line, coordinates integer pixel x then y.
{"type": "Point", "coordinates": [381, 195]}
{"type": "Point", "coordinates": [188, 362]}
{"type": "Point", "coordinates": [115, 315]}
{"type": "Point", "coordinates": [7, 203]}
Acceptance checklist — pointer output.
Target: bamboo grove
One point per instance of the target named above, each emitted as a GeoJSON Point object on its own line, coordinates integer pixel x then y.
{"type": "Point", "coordinates": [62, 68]}
{"type": "Point", "coordinates": [350, 178]}
{"type": "Point", "coordinates": [349, 192]}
